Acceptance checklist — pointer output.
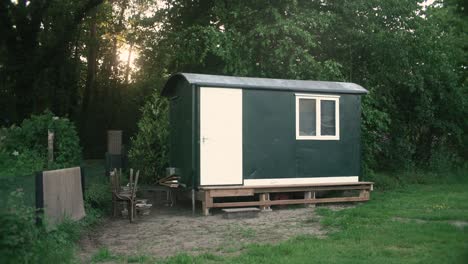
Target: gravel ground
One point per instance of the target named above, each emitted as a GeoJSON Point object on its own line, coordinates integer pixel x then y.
{"type": "Point", "coordinates": [171, 230]}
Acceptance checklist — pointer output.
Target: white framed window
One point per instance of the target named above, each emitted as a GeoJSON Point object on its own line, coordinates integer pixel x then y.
{"type": "Point", "coordinates": [317, 117]}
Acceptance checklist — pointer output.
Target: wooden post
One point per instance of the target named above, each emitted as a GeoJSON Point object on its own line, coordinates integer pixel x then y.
{"type": "Point", "coordinates": [364, 194]}
{"type": "Point", "coordinates": [264, 197]}
{"type": "Point", "coordinates": [207, 203]}
{"type": "Point", "coordinates": [50, 147]}
{"type": "Point", "coordinates": [309, 196]}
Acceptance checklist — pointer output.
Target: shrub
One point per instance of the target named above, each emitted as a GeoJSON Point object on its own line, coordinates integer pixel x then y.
{"type": "Point", "coordinates": [149, 148]}
{"type": "Point", "coordinates": [20, 163]}
{"type": "Point", "coordinates": [98, 195]}
{"type": "Point", "coordinates": [24, 148]}
{"type": "Point", "coordinates": [22, 241]}
{"type": "Point", "coordinates": [18, 233]}
{"type": "Point", "coordinates": [443, 160]}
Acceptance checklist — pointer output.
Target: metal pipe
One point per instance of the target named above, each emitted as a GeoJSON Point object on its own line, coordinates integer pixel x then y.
{"type": "Point", "coordinates": [193, 201]}
{"type": "Point", "coordinates": [193, 146]}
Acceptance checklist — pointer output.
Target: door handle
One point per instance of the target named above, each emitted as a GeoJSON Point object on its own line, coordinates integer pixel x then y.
{"type": "Point", "coordinates": [204, 139]}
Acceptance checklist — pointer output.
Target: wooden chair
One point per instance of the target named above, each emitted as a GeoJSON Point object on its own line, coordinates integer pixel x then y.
{"type": "Point", "coordinates": [127, 195]}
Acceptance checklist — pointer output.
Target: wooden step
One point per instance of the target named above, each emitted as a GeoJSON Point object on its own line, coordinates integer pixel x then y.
{"type": "Point", "coordinates": [236, 213]}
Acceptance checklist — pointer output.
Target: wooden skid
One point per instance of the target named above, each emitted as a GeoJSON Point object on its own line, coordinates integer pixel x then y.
{"type": "Point", "coordinates": [283, 186]}
{"type": "Point", "coordinates": [231, 193]}
{"type": "Point", "coordinates": [288, 202]}
{"type": "Point", "coordinates": [208, 193]}
{"type": "Point", "coordinates": [311, 189]}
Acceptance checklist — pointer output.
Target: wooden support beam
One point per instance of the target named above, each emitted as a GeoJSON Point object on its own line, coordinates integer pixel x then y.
{"type": "Point", "coordinates": [263, 198]}
{"type": "Point", "coordinates": [312, 189]}
{"type": "Point", "coordinates": [232, 193]}
{"type": "Point", "coordinates": [288, 186]}
{"type": "Point", "coordinates": [287, 202]}
{"type": "Point", "coordinates": [206, 194]}
{"type": "Point", "coordinates": [207, 203]}
{"type": "Point", "coordinates": [364, 194]}
{"type": "Point", "coordinates": [308, 196]}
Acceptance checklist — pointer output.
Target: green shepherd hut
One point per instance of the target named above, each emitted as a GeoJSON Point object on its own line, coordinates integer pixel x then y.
{"type": "Point", "coordinates": [243, 133]}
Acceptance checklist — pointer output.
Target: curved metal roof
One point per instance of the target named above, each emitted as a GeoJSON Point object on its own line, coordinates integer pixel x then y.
{"type": "Point", "coordinates": [264, 84]}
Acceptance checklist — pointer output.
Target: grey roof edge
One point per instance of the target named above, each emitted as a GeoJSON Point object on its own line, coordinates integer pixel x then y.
{"type": "Point", "coordinates": [264, 84]}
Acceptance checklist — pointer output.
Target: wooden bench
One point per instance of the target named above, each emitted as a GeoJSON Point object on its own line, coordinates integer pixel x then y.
{"type": "Point", "coordinates": [206, 194]}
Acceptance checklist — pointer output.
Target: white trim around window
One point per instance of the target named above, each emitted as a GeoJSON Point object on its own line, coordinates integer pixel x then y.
{"type": "Point", "coordinates": [318, 124]}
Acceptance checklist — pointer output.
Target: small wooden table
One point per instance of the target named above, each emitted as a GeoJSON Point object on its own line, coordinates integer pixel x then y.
{"type": "Point", "coordinates": [154, 189]}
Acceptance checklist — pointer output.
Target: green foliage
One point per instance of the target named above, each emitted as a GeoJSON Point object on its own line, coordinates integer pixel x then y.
{"type": "Point", "coordinates": [21, 241]}
{"type": "Point", "coordinates": [24, 148]}
{"type": "Point", "coordinates": [38, 69]}
{"type": "Point", "coordinates": [250, 39]}
{"type": "Point", "coordinates": [98, 196]}
{"type": "Point", "coordinates": [411, 59]}
{"type": "Point", "coordinates": [444, 160]}
{"type": "Point", "coordinates": [149, 148]}
{"type": "Point", "coordinates": [375, 126]}
{"type": "Point", "coordinates": [410, 64]}
{"type": "Point", "coordinates": [24, 163]}
{"type": "Point", "coordinates": [443, 172]}
{"type": "Point", "coordinates": [103, 255]}
{"type": "Point", "coordinates": [18, 232]}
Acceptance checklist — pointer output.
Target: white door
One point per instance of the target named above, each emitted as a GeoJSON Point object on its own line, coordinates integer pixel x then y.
{"type": "Point", "coordinates": [220, 136]}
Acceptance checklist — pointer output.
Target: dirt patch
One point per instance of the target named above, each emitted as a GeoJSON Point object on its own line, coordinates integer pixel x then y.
{"type": "Point", "coordinates": [168, 231]}
{"type": "Point", "coordinates": [457, 223]}
{"type": "Point", "coordinates": [337, 206]}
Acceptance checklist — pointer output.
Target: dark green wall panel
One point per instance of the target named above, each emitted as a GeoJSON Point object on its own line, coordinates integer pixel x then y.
{"type": "Point", "coordinates": [271, 150]}
{"type": "Point", "coordinates": [268, 126]}
{"type": "Point", "coordinates": [180, 115]}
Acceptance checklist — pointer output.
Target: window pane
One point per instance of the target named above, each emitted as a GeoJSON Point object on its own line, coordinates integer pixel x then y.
{"type": "Point", "coordinates": [307, 125]}
{"type": "Point", "coordinates": [327, 116]}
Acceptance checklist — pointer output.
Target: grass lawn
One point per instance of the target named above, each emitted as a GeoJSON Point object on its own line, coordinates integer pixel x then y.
{"type": "Point", "coordinates": [414, 224]}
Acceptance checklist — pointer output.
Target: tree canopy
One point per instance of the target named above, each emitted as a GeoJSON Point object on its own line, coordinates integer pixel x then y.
{"type": "Point", "coordinates": [411, 56]}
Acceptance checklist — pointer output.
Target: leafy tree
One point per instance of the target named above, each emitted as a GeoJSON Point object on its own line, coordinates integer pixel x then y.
{"type": "Point", "coordinates": [36, 66]}
{"type": "Point", "coordinates": [149, 150]}
{"type": "Point", "coordinates": [407, 57]}
{"type": "Point", "coordinates": [66, 56]}
{"type": "Point", "coordinates": [411, 58]}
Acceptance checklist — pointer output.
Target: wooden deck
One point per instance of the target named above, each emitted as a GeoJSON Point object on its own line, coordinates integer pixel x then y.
{"type": "Point", "coordinates": [206, 194]}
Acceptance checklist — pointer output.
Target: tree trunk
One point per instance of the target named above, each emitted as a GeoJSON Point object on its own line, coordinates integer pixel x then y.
{"type": "Point", "coordinates": [114, 95]}
{"type": "Point", "coordinates": [91, 71]}
{"type": "Point", "coordinates": [73, 109]}
{"type": "Point", "coordinates": [127, 67]}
